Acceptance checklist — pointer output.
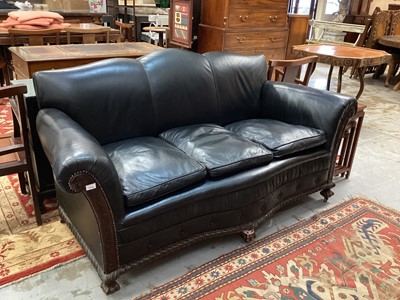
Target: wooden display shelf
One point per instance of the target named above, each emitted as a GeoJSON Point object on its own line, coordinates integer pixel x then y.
{"type": "Point", "coordinates": [348, 146]}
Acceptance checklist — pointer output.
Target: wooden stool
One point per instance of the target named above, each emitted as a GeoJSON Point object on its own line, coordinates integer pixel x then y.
{"type": "Point", "coordinates": [348, 146]}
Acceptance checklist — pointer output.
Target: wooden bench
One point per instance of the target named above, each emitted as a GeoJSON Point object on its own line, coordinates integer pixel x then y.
{"type": "Point", "coordinates": [319, 30]}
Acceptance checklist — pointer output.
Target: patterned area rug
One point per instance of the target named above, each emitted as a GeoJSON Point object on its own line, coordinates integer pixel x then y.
{"type": "Point", "coordinates": [25, 248]}
{"type": "Point", "coordinates": [351, 251]}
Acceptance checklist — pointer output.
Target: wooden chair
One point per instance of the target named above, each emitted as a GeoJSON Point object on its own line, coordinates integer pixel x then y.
{"type": "Point", "coordinates": [4, 77]}
{"type": "Point", "coordinates": [88, 34]}
{"type": "Point", "coordinates": [290, 70]}
{"type": "Point", "coordinates": [127, 30]}
{"type": "Point", "coordinates": [380, 24]}
{"type": "Point", "coordinates": [14, 149]}
{"type": "Point", "coordinates": [34, 37]}
{"type": "Point", "coordinates": [394, 30]}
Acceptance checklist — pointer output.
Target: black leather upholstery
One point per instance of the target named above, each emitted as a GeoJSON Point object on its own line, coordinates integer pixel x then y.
{"type": "Point", "coordinates": [149, 168]}
{"type": "Point", "coordinates": [104, 98]}
{"type": "Point", "coordinates": [181, 95]}
{"type": "Point", "coordinates": [220, 150]}
{"type": "Point", "coordinates": [301, 105]}
{"type": "Point", "coordinates": [279, 137]}
{"type": "Point", "coordinates": [132, 140]}
{"type": "Point", "coordinates": [238, 82]}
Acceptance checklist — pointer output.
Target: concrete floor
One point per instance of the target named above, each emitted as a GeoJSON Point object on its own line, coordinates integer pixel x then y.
{"type": "Point", "coordinates": [376, 175]}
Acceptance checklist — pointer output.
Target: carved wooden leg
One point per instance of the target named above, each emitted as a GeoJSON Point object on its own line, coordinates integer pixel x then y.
{"type": "Point", "coordinates": [248, 235]}
{"type": "Point", "coordinates": [110, 286]}
{"type": "Point", "coordinates": [327, 193]}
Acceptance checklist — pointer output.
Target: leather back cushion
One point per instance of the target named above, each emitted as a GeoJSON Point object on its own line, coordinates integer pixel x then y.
{"type": "Point", "coordinates": [110, 99]}
{"type": "Point", "coordinates": [239, 80]}
{"type": "Point", "coordinates": [182, 88]}
{"type": "Point", "coordinates": [119, 98]}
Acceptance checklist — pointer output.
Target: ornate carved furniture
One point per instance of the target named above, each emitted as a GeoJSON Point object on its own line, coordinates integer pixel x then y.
{"type": "Point", "coordinates": [342, 56]}
{"type": "Point", "coordinates": [167, 155]}
{"type": "Point", "coordinates": [245, 27]}
{"type": "Point", "coordinates": [358, 11]}
{"type": "Point", "coordinates": [380, 24]}
{"type": "Point", "coordinates": [392, 44]}
{"type": "Point", "coordinates": [326, 26]}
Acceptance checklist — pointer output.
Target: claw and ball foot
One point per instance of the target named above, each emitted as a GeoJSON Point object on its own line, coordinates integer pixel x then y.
{"type": "Point", "coordinates": [110, 286]}
{"type": "Point", "coordinates": [248, 235]}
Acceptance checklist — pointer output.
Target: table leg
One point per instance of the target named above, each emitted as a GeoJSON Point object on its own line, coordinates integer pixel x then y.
{"type": "Point", "coordinates": [397, 86]}
{"type": "Point", "coordinates": [361, 73]}
{"type": "Point", "coordinates": [328, 82]}
{"type": "Point", "coordinates": [161, 39]}
{"type": "Point", "coordinates": [339, 83]}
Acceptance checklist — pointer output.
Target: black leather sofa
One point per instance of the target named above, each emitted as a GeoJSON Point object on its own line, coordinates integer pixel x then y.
{"type": "Point", "coordinates": [154, 154]}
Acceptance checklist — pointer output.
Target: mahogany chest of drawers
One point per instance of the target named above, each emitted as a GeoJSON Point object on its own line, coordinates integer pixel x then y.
{"type": "Point", "coordinates": [244, 26]}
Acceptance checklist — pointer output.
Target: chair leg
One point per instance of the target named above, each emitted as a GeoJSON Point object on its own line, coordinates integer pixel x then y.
{"type": "Point", "coordinates": [35, 198]}
{"type": "Point", "coordinates": [389, 74]}
{"type": "Point", "coordinates": [22, 183]}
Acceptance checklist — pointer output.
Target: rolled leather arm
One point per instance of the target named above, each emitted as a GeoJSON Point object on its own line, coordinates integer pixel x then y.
{"type": "Point", "coordinates": [71, 151]}
{"type": "Point", "coordinates": [307, 106]}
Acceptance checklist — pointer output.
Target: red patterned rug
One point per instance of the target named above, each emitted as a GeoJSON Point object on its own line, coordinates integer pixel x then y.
{"type": "Point", "coordinates": [25, 248]}
{"type": "Point", "coordinates": [351, 251]}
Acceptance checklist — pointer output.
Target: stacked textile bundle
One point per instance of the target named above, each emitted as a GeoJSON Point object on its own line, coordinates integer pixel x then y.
{"type": "Point", "coordinates": [34, 20]}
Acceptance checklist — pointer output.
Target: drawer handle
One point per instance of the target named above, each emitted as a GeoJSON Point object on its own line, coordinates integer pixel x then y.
{"type": "Point", "coordinates": [241, 39]}
{"type": "Point", "coordinates": [272, 38]}
{"type": "Point", "coordinates": [243, 18]}
{"type": "Point", "coordinates": [273, 18]}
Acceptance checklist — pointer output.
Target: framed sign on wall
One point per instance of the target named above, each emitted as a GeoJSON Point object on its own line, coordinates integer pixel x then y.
{"type": "Point", "coordinates": [181, 17]}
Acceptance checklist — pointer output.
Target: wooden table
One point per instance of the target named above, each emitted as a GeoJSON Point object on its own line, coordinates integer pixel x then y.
{"type": "Point", "coordinates": [393, 44]}
{"type": "Point", "coordinates": [114, 35]}
{"type": "Point", "coordinates": [345, 56]}
{"type": "Point", "coordinates": [29, 59]}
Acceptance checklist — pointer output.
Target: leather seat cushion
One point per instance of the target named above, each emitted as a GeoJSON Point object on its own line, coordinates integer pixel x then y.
{"type": "Point", "coordinates": [149, 168]}
{"type": "Point", "coordinates": [281, 138]}
{"type": "Point", "coordinates": [220, 150]}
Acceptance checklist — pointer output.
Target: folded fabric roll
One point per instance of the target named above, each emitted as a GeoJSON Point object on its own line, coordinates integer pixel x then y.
{"type": "Point", "coordinates": [23, 15]}
{"type": "Point", "coordinates": [34, 20]}
{"type": "Point", "coordinates": [9, 22]}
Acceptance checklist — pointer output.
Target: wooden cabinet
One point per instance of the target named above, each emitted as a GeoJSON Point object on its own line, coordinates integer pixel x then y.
{"type": "Point", "coordinates": [244, 26]}
{"type": "Point", "coordinates": [298, 29]}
